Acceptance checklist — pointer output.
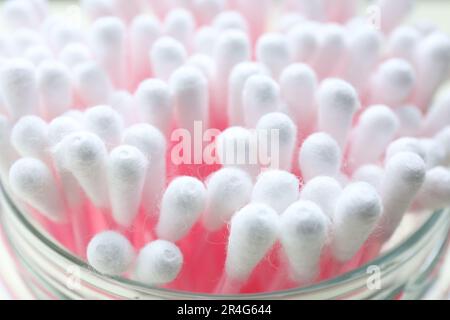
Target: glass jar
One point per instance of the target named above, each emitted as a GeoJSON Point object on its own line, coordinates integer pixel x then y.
{"type": "Point", "coordinates": [406, 271]}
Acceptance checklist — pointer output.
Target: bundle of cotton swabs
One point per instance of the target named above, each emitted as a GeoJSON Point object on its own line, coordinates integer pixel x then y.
{"type": "Point", "coordinates": [92, 114]}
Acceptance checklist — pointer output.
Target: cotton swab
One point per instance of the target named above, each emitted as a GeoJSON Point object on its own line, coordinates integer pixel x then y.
{"type": "Point", "coordinates": [155, 102]}
{"type": "Point", "coordinates": [435, 152]}
{"type": "Point", "coordinates": [92, 84]}
{"type": "Point", "coordinates": [403, 177]}
{"type": "Point", "coordinates": [410, 121]}
{"type": "Point", "coordinates": [230, 20]}
{"type": "Point", "coordinates": [110, 253]}
{"type": "Point", "coordinates": [377, 127]}
{"type": "Point", "coordinates": [127, 168]}
{"type": "Point", "coordinates": [393, 83]}
{"type": "Point", "coordinates": [433, 65]}
{"type": "Point", "coordinates": [105, 123]}
{"type": "Point", "coordinates": [403, 43]}
{"type": "Point", "coordinates": [279, 148]}
{"type": "Point", "coordinates": [357, 212]}
{"type": "Point", "coordinates": [320, 155]}
{"type": "Point", "coordinates": [73, 54]}
{"type": "Point", "coordinates": [85, 156]}
{"type": "Point", "coordinates": [190, 92]}
{"type": "Point", "coordinates": [38, 54]}
{"type": "Point", "coordinates": [393, 12]}
{"type": "Point", "coordinates": [158, 263]}
{"type": "Point", "coordinates": [228, 190]}
{"type": "Point", "coordinates": [203, 38]}
{"type": "Point", "coordinates": [323, 191]}
{"type": "Point", "coordinates": [304, 233]}
{"type": "Point", "coordinates": [19, 88]}
{"type": "Point", "coordinates": [33, 182]}
{"type": "Point", "coordinates": [272, 50]}
{"type": "Point", "coordinates": [180, 25]}
{"type": "Point", "coordinates": [108, 44]}
{"type": "Point", "coordinates": [435, 191]}
{"type": "Point", "coordinates": [152, 143]}
{"type": "Point", "coordinates": [55, 88]}
{"type": "Point", "coordinates": [182, 205]}
{"type": "Point", "coordinates": [261, 95]}
{"type": "Point", "coordinates": [303, 43]}
{"type": "Point", "coordinates": [143, 32]}
{"type": "Point", "coordinates": [405, 145]}
{"type": "Point", "coordinates": [277, 189]}
{"type": "Point", "coordinates": [300, 80]}
{"type": "Point", "coordinates": [254, 230]}
{"type": "Point", "coordinates": [29, 136]}
{"type": "Point", "coordinates": [237, 80]}
{"type": "Point", "coordinates": [166, 55]}
{"type": "Point", "coordinates": [337, 104]}
{"type": "Point", "coordinates": [19, 14]}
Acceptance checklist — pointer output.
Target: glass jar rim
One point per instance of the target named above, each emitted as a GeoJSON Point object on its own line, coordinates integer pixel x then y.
{"type": "Point", "coordinates": [47, 240]}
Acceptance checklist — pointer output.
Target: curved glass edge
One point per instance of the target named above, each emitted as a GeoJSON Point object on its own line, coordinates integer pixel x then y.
{"type": "Point", "coordinates": [37, 231]}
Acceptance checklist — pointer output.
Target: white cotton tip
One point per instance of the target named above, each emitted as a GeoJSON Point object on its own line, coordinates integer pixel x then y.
{"type": "Point", "coordinates": [228, 190]}
{"type": "Point", "coordinates": [180, 25]}
{"type": "Point", "coordinates": [106, 123]}
{"type": "Point", "coordinates": [154, 100]}
{"type": "Point", "coordinates": [31, 180]}
{"type": "Point", "coordinates": [371, 174]}
{"type": "Point", "coordinates": [403, 177]}
{"type": "Point", "coordinates": [158, 263]}
{"type": "Point", "coordinates": [55, 88]}
{"type": "Point", "coordinates": [204, 63]}
{"type": "Point", "coordinates": [392, 13]}
{"type": "Point", "coordinates": [9, 155]}
{"type": "Point", "coordinates": [92, 84]}
{"type": "Point", "coordinates": [143, 32]}
{"type": "Point", "coordinates": [84, 154]}
{"type": "Point", "coordinates": [182, 204]}
{"type": "Point", "coordinates": [331, 51]}
{"type": "Point", "coordinates": [254, 230]}
{"type": "Point", "coordinates": [393, 83]}
{"type": "Point", "coordinates": [277, 189]}
{"type": "Point", "coordinates": [204, 39]}
{"type": "Point", "coordinates": [29, 137]}
{"type": "Point", "coordinates": [167, 55]}
{"type": "Point", "coordinates": [261, 95]}
{"type": "Point", "coordinates": [323, 191]}
{"type": "Point", "coordinates": [272, 50]}
{"type": "Point", "coordinates": [406, 145]}
{"type": "Point", "coordinates": [320, 155]}
{"type": "Point", "coordinates": [438, 117]}
{"type": "Point", "coordinates": [230, 20]}
{"type": "Point", "coordinates": [376, 127]}
{"type": "Point", "coordinates": [61, 127]}
{"type": "Point", "coordinates": [304, 233]}
{"type": "Point", "coordinates": [231, 48]}
{"type": "Point", "coordinates": [190, 92]}
{"type": "Point", "coordinates": [435, 152]}
{"type": "Point", "coordinates": [443, 137]}
{"type": "Point", "coordinates": [357, 213]}
{"type": "Point", "coordinates": [410, 121]}
{"type": "Point", "coordinates": [38, 54]}
{"type": "Point", "coordinates": [108, 44]}
{"type": "Point", "coordinates": [403, 43]}
{"type": "Point", "coordinates": [337, 104]}
{"type": "Point", "coordinates": [110, 253]}
{"type": "Point", "coordinates": [236, 83]}
{"type": "Point", "coordinates": [206, 10]}
{"type": "Point", "coordinates": [19, 14]}
{"type": "Point", "coordinates": [299, 80]}
{"type": "Point", "coordinates": [152, 143]}
{"type": "Point", "coordinates": [18, 88]}
{"type": "Point", "coordinates": [433, 64]}
{"type": "Point", "coordinates": [435, 191]}
{"type": "Point", "coordinates": [303, 42]}
{"type": "Point", "coordinates": [127, 169]}
{"type": "Point", "coordinates": [62, 34]}
{"type": "Point", "coordinates": [277, 136]}
{"type": "Point", "coordinates": [238, 147]}
{"type": "Point", "coordinates": [364, 51]}
{"type": "Point", "coordinates": [74, 53]}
